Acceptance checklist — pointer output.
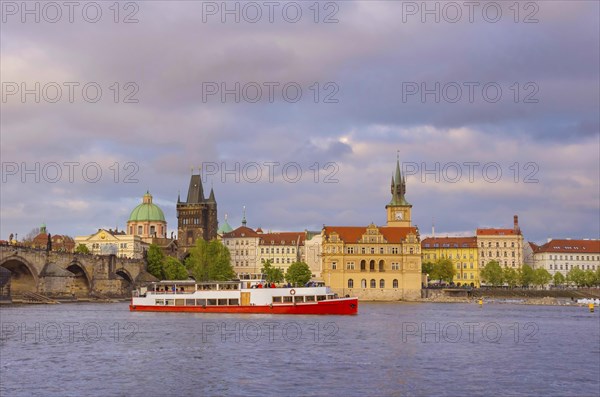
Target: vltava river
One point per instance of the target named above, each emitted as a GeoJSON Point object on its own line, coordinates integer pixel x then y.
{"type": "Point", "coordinates": [389, 349]}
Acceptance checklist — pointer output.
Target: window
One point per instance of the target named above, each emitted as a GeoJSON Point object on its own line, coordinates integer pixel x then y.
{"type": "Point", "coordinates": [382, 283]}
{"type": "Point", "coordinates": [363, 250]}
{"type": "Point", "coordinates": [350, 283]}
{"type": "Point", "coordinates": [350, 250]}
{"type": "Point", "coordinates": [381, 250]}
{"type": "Point", "coordinates": [372, 250]}
{"type": "Point", "coordinates": [395, 283]}
{"type": "Point", "coordinates": [152, 230]}
{"type": "Point", "coordinates": [363, 283]}
{"type": "Point", "coordinates": [394, 250]}
{"type": "Point", "coordinates": [395, 266]}
{"type": "Point", "coordinates": [363, 265]}
{"type": "Point", "coordinates": [140, 230]}
{"type": "Point", "coordinates": [373, 283]}
{"type": "Point", "coordinates": [333, 265]}
{"type": "Point", "coordinates": [350, 265]}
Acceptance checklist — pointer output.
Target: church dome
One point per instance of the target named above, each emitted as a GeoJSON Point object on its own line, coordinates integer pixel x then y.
{"type": "Point", "coordinates": [147, 211]}
{"type": "Point", "coordinates": [225, 227]}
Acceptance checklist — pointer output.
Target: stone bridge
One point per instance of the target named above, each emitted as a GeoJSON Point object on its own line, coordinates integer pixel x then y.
{"type": "Point", "coordinates": [63, 274]}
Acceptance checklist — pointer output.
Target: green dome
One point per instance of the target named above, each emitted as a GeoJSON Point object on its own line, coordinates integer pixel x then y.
{"type": "Point", "coordinates": [225, 227]}
{"type": "Point", "coordinates": [147, 211]}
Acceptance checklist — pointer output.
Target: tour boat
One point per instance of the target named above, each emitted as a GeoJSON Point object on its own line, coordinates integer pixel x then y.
{"type": "Point", "coordinates": [249, 294]}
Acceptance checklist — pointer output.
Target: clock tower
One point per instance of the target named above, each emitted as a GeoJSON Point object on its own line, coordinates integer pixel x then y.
{"type": "Point", "coordinates": [398, 209]}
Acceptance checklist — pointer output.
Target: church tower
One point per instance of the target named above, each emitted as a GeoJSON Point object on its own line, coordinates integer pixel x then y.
{"type": "Point", "coordinates": [398, 209]}
{"type": "Point", "coordinates": [197, 216]}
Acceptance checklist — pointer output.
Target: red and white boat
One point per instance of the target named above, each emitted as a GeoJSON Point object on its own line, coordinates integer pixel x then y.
{"type": "Point", "coordinates": [246, 295]}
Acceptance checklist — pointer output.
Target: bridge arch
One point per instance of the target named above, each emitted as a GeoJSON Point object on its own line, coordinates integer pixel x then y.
{"type": "Point", "coordinates": [126, 276]}
{"type": "Point", "coordinates": [82, 284]}
{"type": "Point", "coordinates": [24, 276]}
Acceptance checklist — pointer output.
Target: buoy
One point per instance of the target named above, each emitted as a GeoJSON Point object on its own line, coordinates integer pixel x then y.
{"type": "Point", "coordinates": [480, 302]}
{"type": "Point", "coordinates": [591, 306]}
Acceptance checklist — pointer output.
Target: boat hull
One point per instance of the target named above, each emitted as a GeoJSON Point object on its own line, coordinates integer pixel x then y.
{"type": "Point", "coordinates": [343, 306]}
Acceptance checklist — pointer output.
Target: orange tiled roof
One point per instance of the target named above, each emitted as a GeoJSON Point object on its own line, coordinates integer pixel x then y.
{"type": "Point", "coordinates": [242, 231]}
{"type": "Point", "coordinates": [449, 242]}
{"type": "Point", "coordinates": [282, 238]}
{"type": "Point", "coordinates": [570, 246]}
{"type": "Point", "coordinates": [352, 234]}
{"type": "Point", "coordinates": [498, 232]}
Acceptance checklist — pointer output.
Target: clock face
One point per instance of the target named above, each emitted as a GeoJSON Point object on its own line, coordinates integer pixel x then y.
{"type": "Point", "coordinates": [399, 215]}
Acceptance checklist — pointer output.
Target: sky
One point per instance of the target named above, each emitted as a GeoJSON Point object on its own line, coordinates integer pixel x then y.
{"type": "Point", "coordinates": [299, 111]}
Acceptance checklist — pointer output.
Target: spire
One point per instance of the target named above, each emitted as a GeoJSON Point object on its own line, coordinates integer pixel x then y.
{"type": "Point", "coordinates": [398, 186]}
{"type": "Point", "coordinates": [211, 198]}
{"type": "Point", "coordinates": [244, 216]}
{"type": "Point", "coordinates": [179, 196]}
{"type": "Point", "coordinates": [195, 190]}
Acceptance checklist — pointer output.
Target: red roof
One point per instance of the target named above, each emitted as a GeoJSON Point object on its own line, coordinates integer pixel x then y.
{"type": "Point", "coordinates": [241, 231]}
{"type": "Point", "coordinates": [498, 232]}
{"type": "Point", "coordinates": [352, 234]}
{"type": "Point", "coordinates": [571, 246]}
{"type": "Point", "coordinates": [282, 238]}
{"type": "Point", "coordinates": [449, 242]}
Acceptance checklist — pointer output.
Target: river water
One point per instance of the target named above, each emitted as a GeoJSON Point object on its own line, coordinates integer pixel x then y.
{"type": "Point", "coordinates": [388, 349]}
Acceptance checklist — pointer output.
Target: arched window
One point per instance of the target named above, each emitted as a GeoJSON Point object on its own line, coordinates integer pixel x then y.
{"type": "Point", "coordinates": [350, 283]}
{"type": "Point", "coordinates": [363, 283]}
{"type": "Point", "coordinates": [382, 283]}
{"type": "Point", "coordinates": [373, 283]}
{"type": "Point", "coordinates": [372, 265]}
{"type": "Point", "coordinates": [395, 283]}
{"type": "Point", "coordinates": [363, 265]}
{"type": "Point", "coordinates": [381, 265]}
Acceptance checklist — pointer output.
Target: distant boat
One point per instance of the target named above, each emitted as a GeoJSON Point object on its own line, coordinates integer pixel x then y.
{"type": "Point", "coordinates": [246, 295]}
{"type": "Point", "coordinates": [587, 301]}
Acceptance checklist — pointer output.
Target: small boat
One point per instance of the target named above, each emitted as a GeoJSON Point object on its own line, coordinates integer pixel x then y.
{"type": "Point", "coordinates": [249, 294]}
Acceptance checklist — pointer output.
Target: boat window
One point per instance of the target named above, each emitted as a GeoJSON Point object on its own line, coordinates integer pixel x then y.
{"type": "Point", "coordinates": [211, 302]}
{"type": "Point", "coordinates": [310, 298]}
{"type": "Point", "coordinates": [179, 302]}
{"type": "Point", "coordinates": [277, 299]}
{"type": "Point", "coordinates": [321, 297]}
{"type": "Point", "coordinates": [222, 302]}
{"type": "Point", "coordinates": [201, 302]}
{"type": "Point", "coordinates": [160, 301]}
{"type": "Point", "coordinates": [298, 299]}
{"type": "Point", "coordinates": [287, 299]}
{"type": "Point", "coordinates": [190, 302]}
{"type": "Point", "coordinates": [234, 302]}
{"type": "Point", "coordinates": [168, 302]}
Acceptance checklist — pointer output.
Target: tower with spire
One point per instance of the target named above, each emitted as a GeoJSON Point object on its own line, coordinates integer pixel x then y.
{"type": "Point", "coordinates": [197, 216]}
{"type": "Point", "coordinates": [398, 209]}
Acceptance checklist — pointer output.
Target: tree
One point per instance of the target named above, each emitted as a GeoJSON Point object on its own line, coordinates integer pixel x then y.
{"type": "Point", "coordinates": [590, 278]}
{"type": "Point", "coordinates": [510, 276]}
{"type": "Point", "coordinates": [272, 274]}
{"type": "Point", "coordinates": [492, 273]}
{"type": "Point", "coordinates": [298, 274]}
{"type": "Point", "coordinates": [558, 278]}
{"type": "Point", "coordinates": [82, 249]}
{"type": "Point", "coordinates": [427, 268]}
{"type": "Point", "coordinates": [155, 259]}
{"type": "Point", "coordinates": [576, 276]}
{"type": "Point", "coordinates": [210, 261]}
{"type": "Point", "coordinates": [443, 270]}
{"type": "Point", "coordinates": [541, 277]}
{"type": "Point", "coordinates": [31, 235]}
{"type": "Point", "coordinates": [174, 270]}
{"type": "Point", "coordinates": [526, 275]}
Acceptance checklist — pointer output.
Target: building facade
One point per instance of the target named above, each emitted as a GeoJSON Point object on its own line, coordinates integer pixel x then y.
{"type": "Point", "coordinates": [281, 248]}
{"type": "Point", "coordinates": [502, 245]}
{"type": "Point", "coordinates": [376, 262]}
{"type": "Point", "coordinates": [147, 220]}
{"type": "Point", "coordinates": [243, 246]}
{"type": "Point", "coordinates": [461, 250]}
{"type": "Point", "coordinates": [196, 217]}
{"type": "Point", "coordinates": [563, 255]}
{"type": "Point", "coordinates": [313, 244]}
{"type": "Point", "coordinates": [59, 242]}
{"type": "Point", "coordinates": [114, 242]}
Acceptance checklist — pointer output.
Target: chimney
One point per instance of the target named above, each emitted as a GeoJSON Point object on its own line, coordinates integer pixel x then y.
{"type": "Point", "coordinates": [516, 222]}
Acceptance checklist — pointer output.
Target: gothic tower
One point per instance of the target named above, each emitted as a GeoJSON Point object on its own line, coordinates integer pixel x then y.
{"type": "Point", "coordinates": [398, 209]}
{"type": "Point", "coordinates": [197, 216]}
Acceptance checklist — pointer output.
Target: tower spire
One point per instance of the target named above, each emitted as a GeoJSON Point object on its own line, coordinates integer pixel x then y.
{"type": "Point", "coordinates": [244, 216]}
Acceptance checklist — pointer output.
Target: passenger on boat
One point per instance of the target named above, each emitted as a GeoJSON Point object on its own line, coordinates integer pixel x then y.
{"type": "Point", "coordinates": [273, 285]}
{"type": "Point", "coordinates": [259, 286]}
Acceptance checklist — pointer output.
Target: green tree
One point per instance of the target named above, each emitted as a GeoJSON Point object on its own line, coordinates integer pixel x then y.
{"type": "Point", "coordinates": [510, 276]}
{"type": "Point", "coordinates": [492, 273]}
{"type": "Point", "coordinates": [155, 260]}
{"type": "Point", "coordinates": [427, 268]}
{"type": "Point", "coordinates": [272, 274]}
{"type": "Point", "coordinates": [174, 270]}
{"type": "Point", "coordinates": [558, 278]}
{"type": "Point", "coordinates": [298, 274]}
{"type": "Point", "coordinates": [443, 270]}
{"type": "Point", "coordinates": [576, 276]}
{"type": "Point", "coordinates": [541, 277]}
{"type": "Point", "coordinates": [526, 275]}
{"type": "Point", "coordinates": [82, 249]}
{"type": "Point", "coordinates": [590, 278]}
{"type": "Point", "coordinates": [210, 261]}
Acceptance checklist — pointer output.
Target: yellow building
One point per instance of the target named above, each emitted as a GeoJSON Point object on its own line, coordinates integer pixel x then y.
{"type": "Point", "coordinates": [461, 250]}
{"type": "Point", "coordinates": [114, 242]}
{"type": "Point", "coordinates": [376, 262]}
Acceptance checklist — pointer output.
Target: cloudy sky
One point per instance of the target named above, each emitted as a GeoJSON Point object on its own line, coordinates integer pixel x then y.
{"type": "Point", "coordinates": [298, 112]}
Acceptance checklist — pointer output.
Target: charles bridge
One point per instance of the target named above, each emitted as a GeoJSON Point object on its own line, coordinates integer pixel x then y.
{"type": "Point", "coordinates": [67, 275]}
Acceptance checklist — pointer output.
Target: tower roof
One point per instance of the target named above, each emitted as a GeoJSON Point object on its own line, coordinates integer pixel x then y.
{"type": "Point", "coordinates": [195, 191]}
{"type": "Point", "coordinates": [147, 211]}
{"type": "Point", "coordinates": [398, 188]}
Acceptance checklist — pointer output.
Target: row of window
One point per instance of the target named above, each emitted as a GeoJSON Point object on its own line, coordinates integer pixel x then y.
{"type": "Point", "coordinates": [363, 265]}
{"type": "Point", "coordinates": [370, 250]}
{"type": "Point", "coordinates": [512, 244]}
{"type": "Point", "coordinates": [464, 265]}
{"type": "Point", "coordinates": [372, 284]}
{"type": "Point", "coordinates": [570, 257]}
{"type": "Point", "coordinates": [465, 276]}
{"type": "Point", "coordinates": [275, 260]}
{"type": "Point", "coordinates": [497, 254]}
{"type": "Point", "coordinates": [197, 302]}
{"type": "Point", "coordinates": [446, 245]}
{"type": "Point", "coordinates": [582, 267]}
{"type": "Point", "coordinates": [500, 263]}
{"type": "Point", "coordinates": [443, 256]}
{"type": "Point", "coordinates": [299, 298]}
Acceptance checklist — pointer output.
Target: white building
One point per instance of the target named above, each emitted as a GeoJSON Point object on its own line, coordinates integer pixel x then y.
{"type": "Point", "coordinates": [562, 255]}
